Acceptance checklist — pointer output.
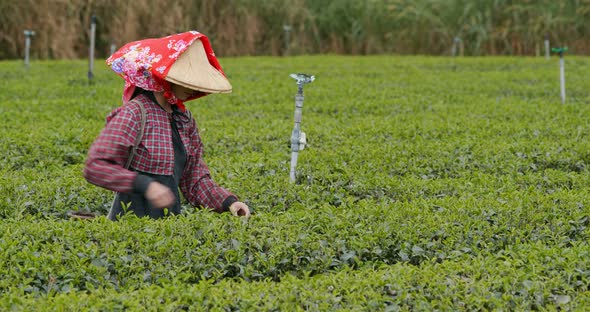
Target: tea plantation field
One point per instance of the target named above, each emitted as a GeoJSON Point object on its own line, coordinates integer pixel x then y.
{"type": "Point", "coordinates": [428, 184]}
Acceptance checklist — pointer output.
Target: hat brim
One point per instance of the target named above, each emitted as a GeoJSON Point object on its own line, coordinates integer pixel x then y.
{"type": "Point", "coordinates": [192, 70]}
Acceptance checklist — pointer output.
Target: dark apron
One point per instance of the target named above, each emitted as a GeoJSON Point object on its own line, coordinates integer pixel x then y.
{"type": "Point", "coordinates": [138, 204]}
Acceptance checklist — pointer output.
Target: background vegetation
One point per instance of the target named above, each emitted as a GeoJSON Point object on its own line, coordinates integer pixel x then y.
{"type": "Point", "coordinates": [254, 27]}
{"type": "Point", "coordinates": [428, 184]}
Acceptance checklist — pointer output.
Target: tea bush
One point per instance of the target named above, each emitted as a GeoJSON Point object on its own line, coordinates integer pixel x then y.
{"type": "Point", "coordinates": [428, 183]}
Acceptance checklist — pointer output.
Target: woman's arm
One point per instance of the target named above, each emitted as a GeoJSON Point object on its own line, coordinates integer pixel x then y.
{"type": "Point", "coordinates": [110, 150]}
{"type": "Point", "coordinates": [196, 183]}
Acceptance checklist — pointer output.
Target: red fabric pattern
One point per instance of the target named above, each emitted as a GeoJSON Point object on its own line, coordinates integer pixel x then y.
{"type": "Point", "coordinates": [146, 63]}
{"type": "Point", "coordinates": [155, 154]}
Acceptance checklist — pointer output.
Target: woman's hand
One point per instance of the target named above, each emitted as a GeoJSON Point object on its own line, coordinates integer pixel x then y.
{"type": "Point", "coordinates": [239, 209]}
{"type": "Point", "coordinates": [159, 195]}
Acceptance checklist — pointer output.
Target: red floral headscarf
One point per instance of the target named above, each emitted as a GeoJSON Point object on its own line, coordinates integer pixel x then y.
{"type": "Point", "coordinates": [146, 63]}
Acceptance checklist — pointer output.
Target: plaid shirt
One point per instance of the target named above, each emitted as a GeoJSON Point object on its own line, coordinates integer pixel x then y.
{"type": "Point", "coordinates": [154, 155]}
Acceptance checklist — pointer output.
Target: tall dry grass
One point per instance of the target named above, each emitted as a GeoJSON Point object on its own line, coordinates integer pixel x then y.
{"type": "Point", "coordinates": [255, 27]}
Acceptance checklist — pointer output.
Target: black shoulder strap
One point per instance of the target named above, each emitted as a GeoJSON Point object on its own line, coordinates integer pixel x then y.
{"type": "Point", "coordinates": [139, 134]}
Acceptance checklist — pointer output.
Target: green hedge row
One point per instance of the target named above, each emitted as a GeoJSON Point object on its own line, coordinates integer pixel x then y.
{"type": "Point", "coordinates": [524, 277]}
{"type": "Point", "coordinates": [428, 183]}
{"type": "Point", "coordinates": [44, 256]}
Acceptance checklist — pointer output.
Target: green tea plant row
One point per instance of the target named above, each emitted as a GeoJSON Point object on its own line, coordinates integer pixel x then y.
{"type": "Point", "coordinates": [428, 183]}
{"type": "Point", "coordinates": [508, 265]}
{"type": "Point", "coordinates": [487, 283]}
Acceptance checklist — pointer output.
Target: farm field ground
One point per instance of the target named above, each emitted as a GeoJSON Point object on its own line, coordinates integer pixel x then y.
{"type": "Point", "coordinates": [429, 183]}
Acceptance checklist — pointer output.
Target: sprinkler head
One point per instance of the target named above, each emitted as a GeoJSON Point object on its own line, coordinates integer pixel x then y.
{"type": "Point", "coordinates": [302, 78]}
{"type": "Point", "coordinates": [559, 51]}
{"type": "Point", "coordinates": [29, 33]}
{"type": "Point", "coordinates": [302, 141]}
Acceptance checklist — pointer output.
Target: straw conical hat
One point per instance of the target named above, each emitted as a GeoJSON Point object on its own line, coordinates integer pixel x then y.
{"type": "Point", "coordinates": [193, 70]}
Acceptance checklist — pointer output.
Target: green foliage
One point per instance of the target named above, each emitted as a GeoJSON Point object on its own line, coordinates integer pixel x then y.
{"type": "Point", "coordinates": [428, 183]}
{"type": "Point", "coordinates": [255, 27]}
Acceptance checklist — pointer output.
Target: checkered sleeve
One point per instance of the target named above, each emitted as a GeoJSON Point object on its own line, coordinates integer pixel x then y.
{"type": "Point", "coordinates": [196, 183]}
{"type": "Point", "coordinates": [109, 152]}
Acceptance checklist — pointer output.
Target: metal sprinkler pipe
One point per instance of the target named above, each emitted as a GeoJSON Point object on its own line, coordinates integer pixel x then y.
{"type": "Point", "coordinates": [91, 48]}
{"type": "Point", "coordinates": [298, 139]}
{"type": "Point", "coordinates": [547, 49]}
{"type": "Point", "coordinates": [561, 51]}
{"type": "Point", "coordinates": [113, 47]}
{"type": "Point", "coordinates": [28, 35]}
{"type": "Point", "coordinates": [287, 30]}
{"type": "Point", "coordinates": [455, 48]}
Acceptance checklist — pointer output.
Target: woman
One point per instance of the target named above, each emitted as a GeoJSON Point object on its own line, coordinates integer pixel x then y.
{"type": "Point", "coordinates": [160, 74]}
